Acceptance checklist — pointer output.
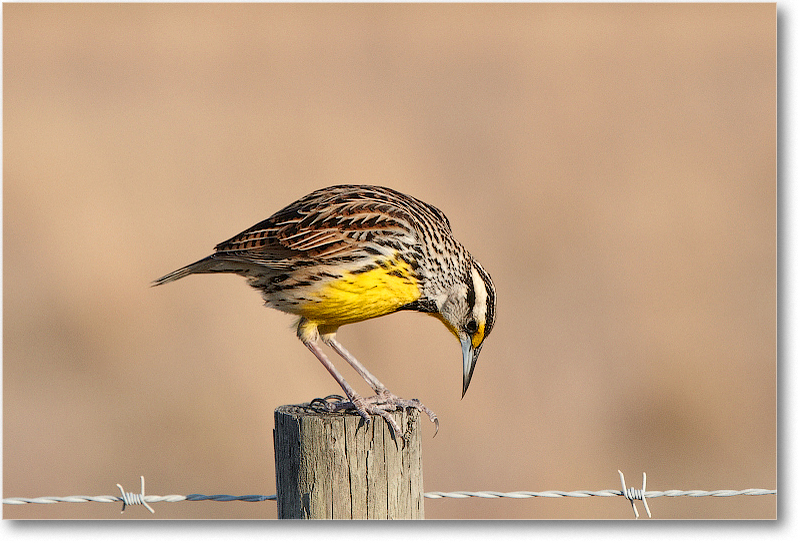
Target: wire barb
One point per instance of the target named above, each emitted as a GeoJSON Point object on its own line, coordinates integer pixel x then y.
{"type": "Point", "coordinates": [129, 498]}
{"type": "Point", "coordinates": [635, 494]}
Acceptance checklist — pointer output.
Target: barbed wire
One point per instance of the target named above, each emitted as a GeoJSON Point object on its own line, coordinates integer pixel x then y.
{"type": "Point", "coordinates": [631, 494]}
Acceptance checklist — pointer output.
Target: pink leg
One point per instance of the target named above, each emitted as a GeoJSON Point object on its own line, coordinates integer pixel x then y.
{"type": "Point", "coordinates": [383, 398]}
{"type": "Point", "coordinates": [376, 385]}
{"type": "Point", "coordinates": [364, 408]}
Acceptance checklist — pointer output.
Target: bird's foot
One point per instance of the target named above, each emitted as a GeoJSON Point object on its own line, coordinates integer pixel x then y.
{"type": "Point", "coordinates": [364, 407]}
{"type": "Point", "coordinates": [387, 401]}
{"type": "Point", "coordinates": [381, 405]}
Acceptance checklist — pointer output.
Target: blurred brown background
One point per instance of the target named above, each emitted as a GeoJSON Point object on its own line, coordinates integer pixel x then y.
{"type": "Point", "coordinates": [612, 166]}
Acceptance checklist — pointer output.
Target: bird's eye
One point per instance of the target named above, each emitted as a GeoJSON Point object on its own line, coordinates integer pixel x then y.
{"type": "Point", "coordinates": [472, 326]}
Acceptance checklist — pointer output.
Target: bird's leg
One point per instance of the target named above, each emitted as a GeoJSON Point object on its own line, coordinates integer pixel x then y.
{"type": "Point", "coordinates": [376, 385]}
{"type": "Point", "coordinates": [363, 407]}
{"type": "Point", "coordinates": [383, 397]}
{"type": "Point", "coordinates": [352, 395]}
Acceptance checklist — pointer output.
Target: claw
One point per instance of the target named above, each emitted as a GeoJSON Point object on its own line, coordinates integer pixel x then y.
{"type": "Point", "coordinates": [381, 405]}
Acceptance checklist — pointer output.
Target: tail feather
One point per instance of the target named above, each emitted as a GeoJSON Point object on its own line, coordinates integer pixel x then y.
{"type": "Point", "coordinates": [205, 265]}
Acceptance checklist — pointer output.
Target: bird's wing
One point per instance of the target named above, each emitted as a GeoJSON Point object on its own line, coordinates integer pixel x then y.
{"type": "Point", "coordinates": [332, 223]}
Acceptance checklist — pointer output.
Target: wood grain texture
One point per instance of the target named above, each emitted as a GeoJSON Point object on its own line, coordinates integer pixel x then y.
{"type": "Point", "coordinates": [332, 466]}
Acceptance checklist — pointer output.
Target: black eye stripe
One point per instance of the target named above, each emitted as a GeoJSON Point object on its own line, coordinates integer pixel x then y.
{"type": "Point", "coordinates": [470, 293]}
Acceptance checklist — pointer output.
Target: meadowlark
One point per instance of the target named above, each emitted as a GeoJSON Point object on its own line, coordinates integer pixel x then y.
{"type": "Point", "coordinates": [348, 253]}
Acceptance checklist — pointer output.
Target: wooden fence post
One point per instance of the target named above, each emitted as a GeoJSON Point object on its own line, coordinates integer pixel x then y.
{"type": "Point", "coordinates": [333, 466]}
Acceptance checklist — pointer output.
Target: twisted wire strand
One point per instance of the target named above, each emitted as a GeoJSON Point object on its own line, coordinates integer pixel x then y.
{"type": "Point", "coordinates": [226, 498]}
{"type": "Point", "coordinates": [431, 495]}
{"type": "Point", "coordinates": [86, 499]}
{"type": "Point", "coordinates": [629, 493]}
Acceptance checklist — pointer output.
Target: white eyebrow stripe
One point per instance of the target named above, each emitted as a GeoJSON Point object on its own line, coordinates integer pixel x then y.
{"type": "Point", "coordinates": [479, 309]}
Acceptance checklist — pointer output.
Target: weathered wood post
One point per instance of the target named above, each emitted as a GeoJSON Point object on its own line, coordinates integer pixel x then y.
{"type": "Point", "coordinates": [333, 466]}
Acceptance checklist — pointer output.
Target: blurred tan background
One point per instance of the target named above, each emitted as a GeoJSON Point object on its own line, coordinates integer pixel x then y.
{"type": "Point", "coordinates": [612, 166]}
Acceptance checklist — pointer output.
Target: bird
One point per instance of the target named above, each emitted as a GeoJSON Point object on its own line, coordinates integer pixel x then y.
{"type": "Point", "coordinates": [347, 253]}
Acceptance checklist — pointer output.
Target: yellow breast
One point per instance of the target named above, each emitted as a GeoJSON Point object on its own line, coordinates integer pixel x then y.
{"type": "Point", "coordinates": [360, 296]}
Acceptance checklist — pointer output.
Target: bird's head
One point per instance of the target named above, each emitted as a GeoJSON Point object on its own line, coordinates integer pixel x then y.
{"type": "Point", "coordinates": [467, 308]}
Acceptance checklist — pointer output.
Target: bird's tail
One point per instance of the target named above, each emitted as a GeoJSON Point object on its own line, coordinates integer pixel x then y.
{"type": "Point", "coordinates": [206, 265]}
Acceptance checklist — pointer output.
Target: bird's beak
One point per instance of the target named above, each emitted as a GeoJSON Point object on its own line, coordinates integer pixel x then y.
{"type": "Point", "coordinates": [470, 359]}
